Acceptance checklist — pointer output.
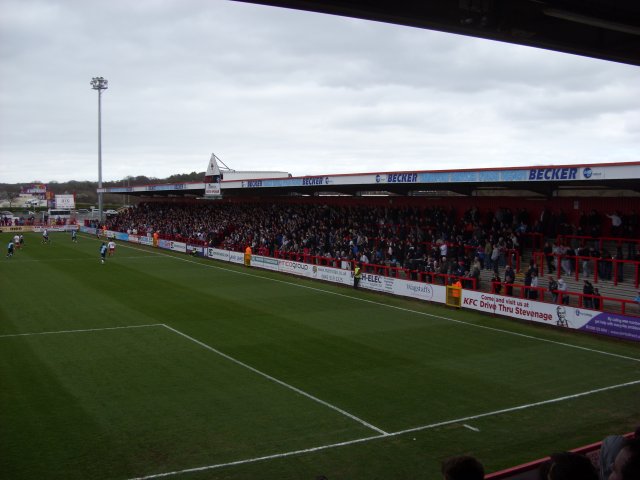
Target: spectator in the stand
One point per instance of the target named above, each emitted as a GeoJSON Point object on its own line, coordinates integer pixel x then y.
{"type": "Point", "coordinates": [463, 467]}
{"type": "Point", "coordinates": [626, 466]}
{"type": "Point", "coordinates": [562, 291]}
{"type": "Point", "coordinates": [567, 260]}
{"type": "Point", "coordinates": [502, 250]}
{"type": "Point", "coordinates": [619, 264]}
{"type": "Point", "coordinates": [533, 293]}
{"type": "Point", "coordinates": [583, 252]}
{"type": "Point", "coordinates": [616, 223]}
{"type": "Point", "coordinates": [596, 299]}
{"type": "Point", "coordinates": [495, 257]}
{"type": "Point", "coordinates": [509, 279]}
{"type": "Point", "coordinates": [444, 249]}
{"type": "Point", "coordinates": [604, 265]}
{"type": "Point", "coordinates": [553, 288]}
{"type": "Point", "coordinates": [548, 255]}
{"type": "Point", "coordinates": [587, 289]}
{"type": "Point", "coordinates": [488, 249]}
{"type": "Point", "coordinates": [631, 230]}
{"type": "Point", "coordinates": [557, 251]}
{"type": "Point", "coordinates": [474, 273]}
{"type": "Point", "coordinates": [497, 283]}
{"type": "Point", "coordinates": [567, 466]}
{"type": "Point", "coordinates": [480, 256]}
{"type": "Point", "coordinates": [609, 450]}
{"type": "Point", "coordinates": [527, 284]}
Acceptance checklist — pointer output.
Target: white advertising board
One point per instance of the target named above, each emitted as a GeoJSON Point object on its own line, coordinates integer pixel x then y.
{"type": "Point", "coordinates": [178, 246]}
{"type": "Point", "coordinates": [296, 268]}
{"type": "Point", "coordinates": [333, 275]}
{"type": "Point", "coordinates": [217, 254]}
{"type": "Point", "coordinates": [145, 240]}
{"type": "Point", "coordinates": [405, 288]}
{"type": "Point", "coordinates": [267, 263]}
{"type": "Point", "coordinates": [65, 201]}
{"type": "Point", "coordinates": [236, 257]}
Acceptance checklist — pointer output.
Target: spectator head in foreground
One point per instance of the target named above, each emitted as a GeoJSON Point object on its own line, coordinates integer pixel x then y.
{"type": "Point", "coordinates": [627, 463]}
{"type": "Point", "coordinates": [463, 467]}
{"type": "Point", "coordinates": [567, 466]}
{"type": "Point", "coordinates": [609, 450]}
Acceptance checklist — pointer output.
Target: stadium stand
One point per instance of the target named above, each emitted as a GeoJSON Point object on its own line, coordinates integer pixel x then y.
{"type": "Point", "coordinates": [433, 244]}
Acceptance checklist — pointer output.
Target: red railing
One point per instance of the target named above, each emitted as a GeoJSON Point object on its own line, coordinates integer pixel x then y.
{"type": "Point", "coordinates": [594, 262]}
{"type": "Point", "coordinates": [519, 290]}
{"type": "Point", "coordinates": [378, 269]}
{"type": "Point", "coordinates": [599, 241]}
{"type": "Point", "coordinates": [584, 300]}
{"type": "Point", "coordinates": [526, 470]}
{"type": "Point", "coordinates": [536, 239]}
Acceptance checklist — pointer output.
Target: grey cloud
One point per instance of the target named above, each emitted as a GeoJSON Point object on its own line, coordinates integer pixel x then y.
{"type": "Point", "coordinates": [272, 88]}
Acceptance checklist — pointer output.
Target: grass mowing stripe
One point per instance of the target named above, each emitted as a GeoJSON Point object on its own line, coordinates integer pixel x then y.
{"type": "Point", "coordinates": [377, 437]}
{"type": "Point", "coordinates": [441, 317]}
{"type": "Point", "coordinates": [80, 330]}
{"type": "Point", "coordinates": [280, 382]}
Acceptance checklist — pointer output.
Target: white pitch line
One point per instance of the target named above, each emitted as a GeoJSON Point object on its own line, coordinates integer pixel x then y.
{"type": "Point", "coordinates": [441, 317]}
{"type": "Point", "coordinates": [76, 259]}
{"type": "Point", "coordinates": [258, 459]}
{"type": "Point", "coordinates": [470, 427]}
{"type": "Point", "coordinates": [279, 382]}
{"type": "Point", "coordinates": [514, 409]}
{"type": "Point", "coordinates": [80, 330]}
{"type": "Point", "coordinates": [376, 437]}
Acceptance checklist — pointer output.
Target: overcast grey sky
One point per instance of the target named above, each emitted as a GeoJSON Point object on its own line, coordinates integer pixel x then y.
{"type": "Point", "coordinates": [273, 89]}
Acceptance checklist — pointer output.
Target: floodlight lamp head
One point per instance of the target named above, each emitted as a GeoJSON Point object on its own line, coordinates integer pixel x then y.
{"type": "Point", "coordinates": [99, 83]}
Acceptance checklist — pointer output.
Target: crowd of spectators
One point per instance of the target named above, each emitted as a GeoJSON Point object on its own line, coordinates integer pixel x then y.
{"type": "Point", "coordinates": [12, 221]}
{"type": "Point", "coordinates": [6, 221]}
{"type": "Point", "coordinates": [430, 239]}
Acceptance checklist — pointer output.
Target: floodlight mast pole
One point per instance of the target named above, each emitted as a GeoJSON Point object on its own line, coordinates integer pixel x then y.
{"type": "Point", "coordinates": [99, 84]}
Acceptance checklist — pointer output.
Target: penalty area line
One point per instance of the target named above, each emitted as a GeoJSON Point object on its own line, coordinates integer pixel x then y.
{"type": "Point", "coordinates": [279, 382]}
{"type": "Point", "coordinates": [376, 437]}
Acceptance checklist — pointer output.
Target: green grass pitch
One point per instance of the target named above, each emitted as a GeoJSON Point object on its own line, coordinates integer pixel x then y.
{"type": "Point", "coordinates": [160, 365]}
